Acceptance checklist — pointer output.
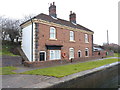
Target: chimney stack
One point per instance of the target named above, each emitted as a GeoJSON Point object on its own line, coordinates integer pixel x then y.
{"type": "Point", "coordinates": [72, 17]}
{"type": "Point", "coordinates": [52, 10]}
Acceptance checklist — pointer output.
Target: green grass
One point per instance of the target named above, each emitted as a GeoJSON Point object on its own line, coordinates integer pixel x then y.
{"type": "Point", "coordinates": [6, 50]}
{"type": "Point", "coordinates": [7, 70]}
{"type": "Point", "coordinates": [116, 54]}
{"type": "Point", "coordinates": [61, 71]}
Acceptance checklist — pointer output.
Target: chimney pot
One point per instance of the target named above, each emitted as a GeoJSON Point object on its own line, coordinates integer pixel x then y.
{"type": "Point", "coordinates": [72, 17]}
{"type": "Point", "coordinates": [52, 10]}
{"type": "Point", "coordinates": [53, 3]}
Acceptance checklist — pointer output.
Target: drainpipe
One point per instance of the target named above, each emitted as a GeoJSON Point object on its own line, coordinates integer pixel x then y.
{"type": "Point", "coordinates": [32, 41]}
{"type": "Point", "coordinates": [92, 45]}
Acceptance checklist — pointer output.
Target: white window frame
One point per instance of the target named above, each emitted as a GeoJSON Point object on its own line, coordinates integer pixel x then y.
{"type": "Point", "coordinates": [54, 55]}
{"type": "Point", "coordinates": [86, 38]}
{"type": "Point", "coordinates": [87, 49]}
{"type": "Point", "coordinates": [71, 35]}
{"type": "Point", "coordinates": [70, 53]}
{"type": "Point", "coordinates": [54, 33]}
{"type": "Point", "coordinates": [80, 53]}
{"type": "Point", "coordinates": [45, 54]}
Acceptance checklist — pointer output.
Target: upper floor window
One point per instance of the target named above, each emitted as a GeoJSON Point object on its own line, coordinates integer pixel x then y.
{"type": "Point", "coordinates": [52, 33]}
{"type": "Point", "coordinates": [86, 38]}
{"type": "Point", "coordinates": [71, 36]}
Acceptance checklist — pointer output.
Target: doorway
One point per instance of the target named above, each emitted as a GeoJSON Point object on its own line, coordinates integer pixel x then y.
{"type": "Point", "coordinates": [42, 56]}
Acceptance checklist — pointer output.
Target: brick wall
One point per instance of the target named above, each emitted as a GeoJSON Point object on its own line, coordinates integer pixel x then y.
{"type": "Point", "coordinates": [49, 63]}
{"type": "Point", "coordinates": [99, 53]}
{"type": "Point", "coordinates": [62, 36]}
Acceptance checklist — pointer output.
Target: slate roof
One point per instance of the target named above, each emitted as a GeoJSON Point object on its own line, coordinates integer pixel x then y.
{"type": "Point", "coordinates": [60, 21]}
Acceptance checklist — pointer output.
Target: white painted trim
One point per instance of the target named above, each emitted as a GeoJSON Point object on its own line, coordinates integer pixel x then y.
{"type": "Point", "coordinates": [54, 50]}
{"type": "Point", "coordinates": [54, 31]}
{"type": "Point", "coordinates": [39, 54]}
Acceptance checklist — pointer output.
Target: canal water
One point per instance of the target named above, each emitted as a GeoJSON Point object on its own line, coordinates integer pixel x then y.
{"type": "Point", "coordinates": [112, 79]}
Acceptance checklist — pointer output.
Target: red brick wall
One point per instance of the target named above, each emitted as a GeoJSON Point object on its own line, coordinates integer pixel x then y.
{"type": "Point", "coordinates": [62, 36]}
{"type": "Point", "coordinates": [49, 63]}
{"type": "Point", "coordinates": [99, 53]}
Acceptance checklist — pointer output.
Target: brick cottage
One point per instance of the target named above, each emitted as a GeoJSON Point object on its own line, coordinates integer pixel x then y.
{"type": "Point", "coordinates": [48, 38]}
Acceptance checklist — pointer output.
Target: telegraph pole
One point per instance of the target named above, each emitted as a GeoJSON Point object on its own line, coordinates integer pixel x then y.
{"type": "Point", "coordinates": [107, 37]}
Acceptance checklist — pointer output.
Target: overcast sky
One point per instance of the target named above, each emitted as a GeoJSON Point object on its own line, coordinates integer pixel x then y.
{"type": "Point", "coordinates": [97, 15]}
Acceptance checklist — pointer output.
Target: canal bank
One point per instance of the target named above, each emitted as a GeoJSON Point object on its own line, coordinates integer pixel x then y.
{"type": "Point", "coordinates": [105, 78]}
{"type": "Point", "coordinates": [102, 77]}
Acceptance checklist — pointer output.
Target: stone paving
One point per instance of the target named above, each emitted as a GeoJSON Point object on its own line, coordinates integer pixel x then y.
{"type": "Point", "coordinates": [20, 81]}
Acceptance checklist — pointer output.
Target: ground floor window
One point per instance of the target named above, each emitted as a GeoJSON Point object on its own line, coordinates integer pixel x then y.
{"type": "Point", "coordinates": [86, 52]}
{"type": "Point", "coordinates": [79, 53]}
{"type": "Point", "coordinates": [71, 53]}
{"type": "Point", "coordinates": [55, 54]}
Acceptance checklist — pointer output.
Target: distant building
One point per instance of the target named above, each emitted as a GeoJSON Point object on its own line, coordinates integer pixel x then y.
{"type": "Point", "coordinates": [46, 37]}
{"type": "Point", "coordinates": [98, 50]}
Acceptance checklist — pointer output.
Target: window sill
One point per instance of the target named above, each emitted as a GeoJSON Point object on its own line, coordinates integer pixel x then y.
{"type": "Point", "coordinates": [53, 59]}
{"type": "Point", "coordinates": [72, 41]}
{"type": "Point", "coordinates": [86, 42]}
{"type": "Point", "coordinates": [71, 58]}
{"type": "Point", "coordinates": [52, 39]}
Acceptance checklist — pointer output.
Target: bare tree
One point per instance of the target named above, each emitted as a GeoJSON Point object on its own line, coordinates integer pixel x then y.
{"type": "Point", "coordinates": [27, 17]}
{"type": "Point", "coordinates": [10, 28]}
{"type": "Point", "coordinates": [3, 33]}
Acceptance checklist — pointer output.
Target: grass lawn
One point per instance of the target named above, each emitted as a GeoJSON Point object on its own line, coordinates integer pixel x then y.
{"type": "Point", "coordinates": [116, 54]}
{"type": "Point", "coordinates": [7, 70]}
{"type": "Point", "coordinates": [6, 50]}
{"type": "Point", "coordinates": [61, 71]}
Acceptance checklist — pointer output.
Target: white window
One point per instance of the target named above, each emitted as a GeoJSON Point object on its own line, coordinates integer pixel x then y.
{"type": "Point", "coordinates": [86, 38]}
{"type": "Point", "coordinates": [86, 52]}
{"type": "Point", "coordinates": [71, 53]}
{"type": "Point", "coordinates": [52, 33]}
{"type": "Point", "coordinates": [71, 36]}
{"type": "Point", "coordinates": [79, 53]}
{"type": "Point", "coordinates": [55, 54]}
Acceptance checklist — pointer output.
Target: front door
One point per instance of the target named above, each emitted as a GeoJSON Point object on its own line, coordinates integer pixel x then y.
{"type": "Point", "coordinates": [42, 56]}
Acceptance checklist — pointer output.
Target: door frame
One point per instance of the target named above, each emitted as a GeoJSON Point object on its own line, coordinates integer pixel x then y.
{"type": "Point", "coordinates": [45, 55]}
